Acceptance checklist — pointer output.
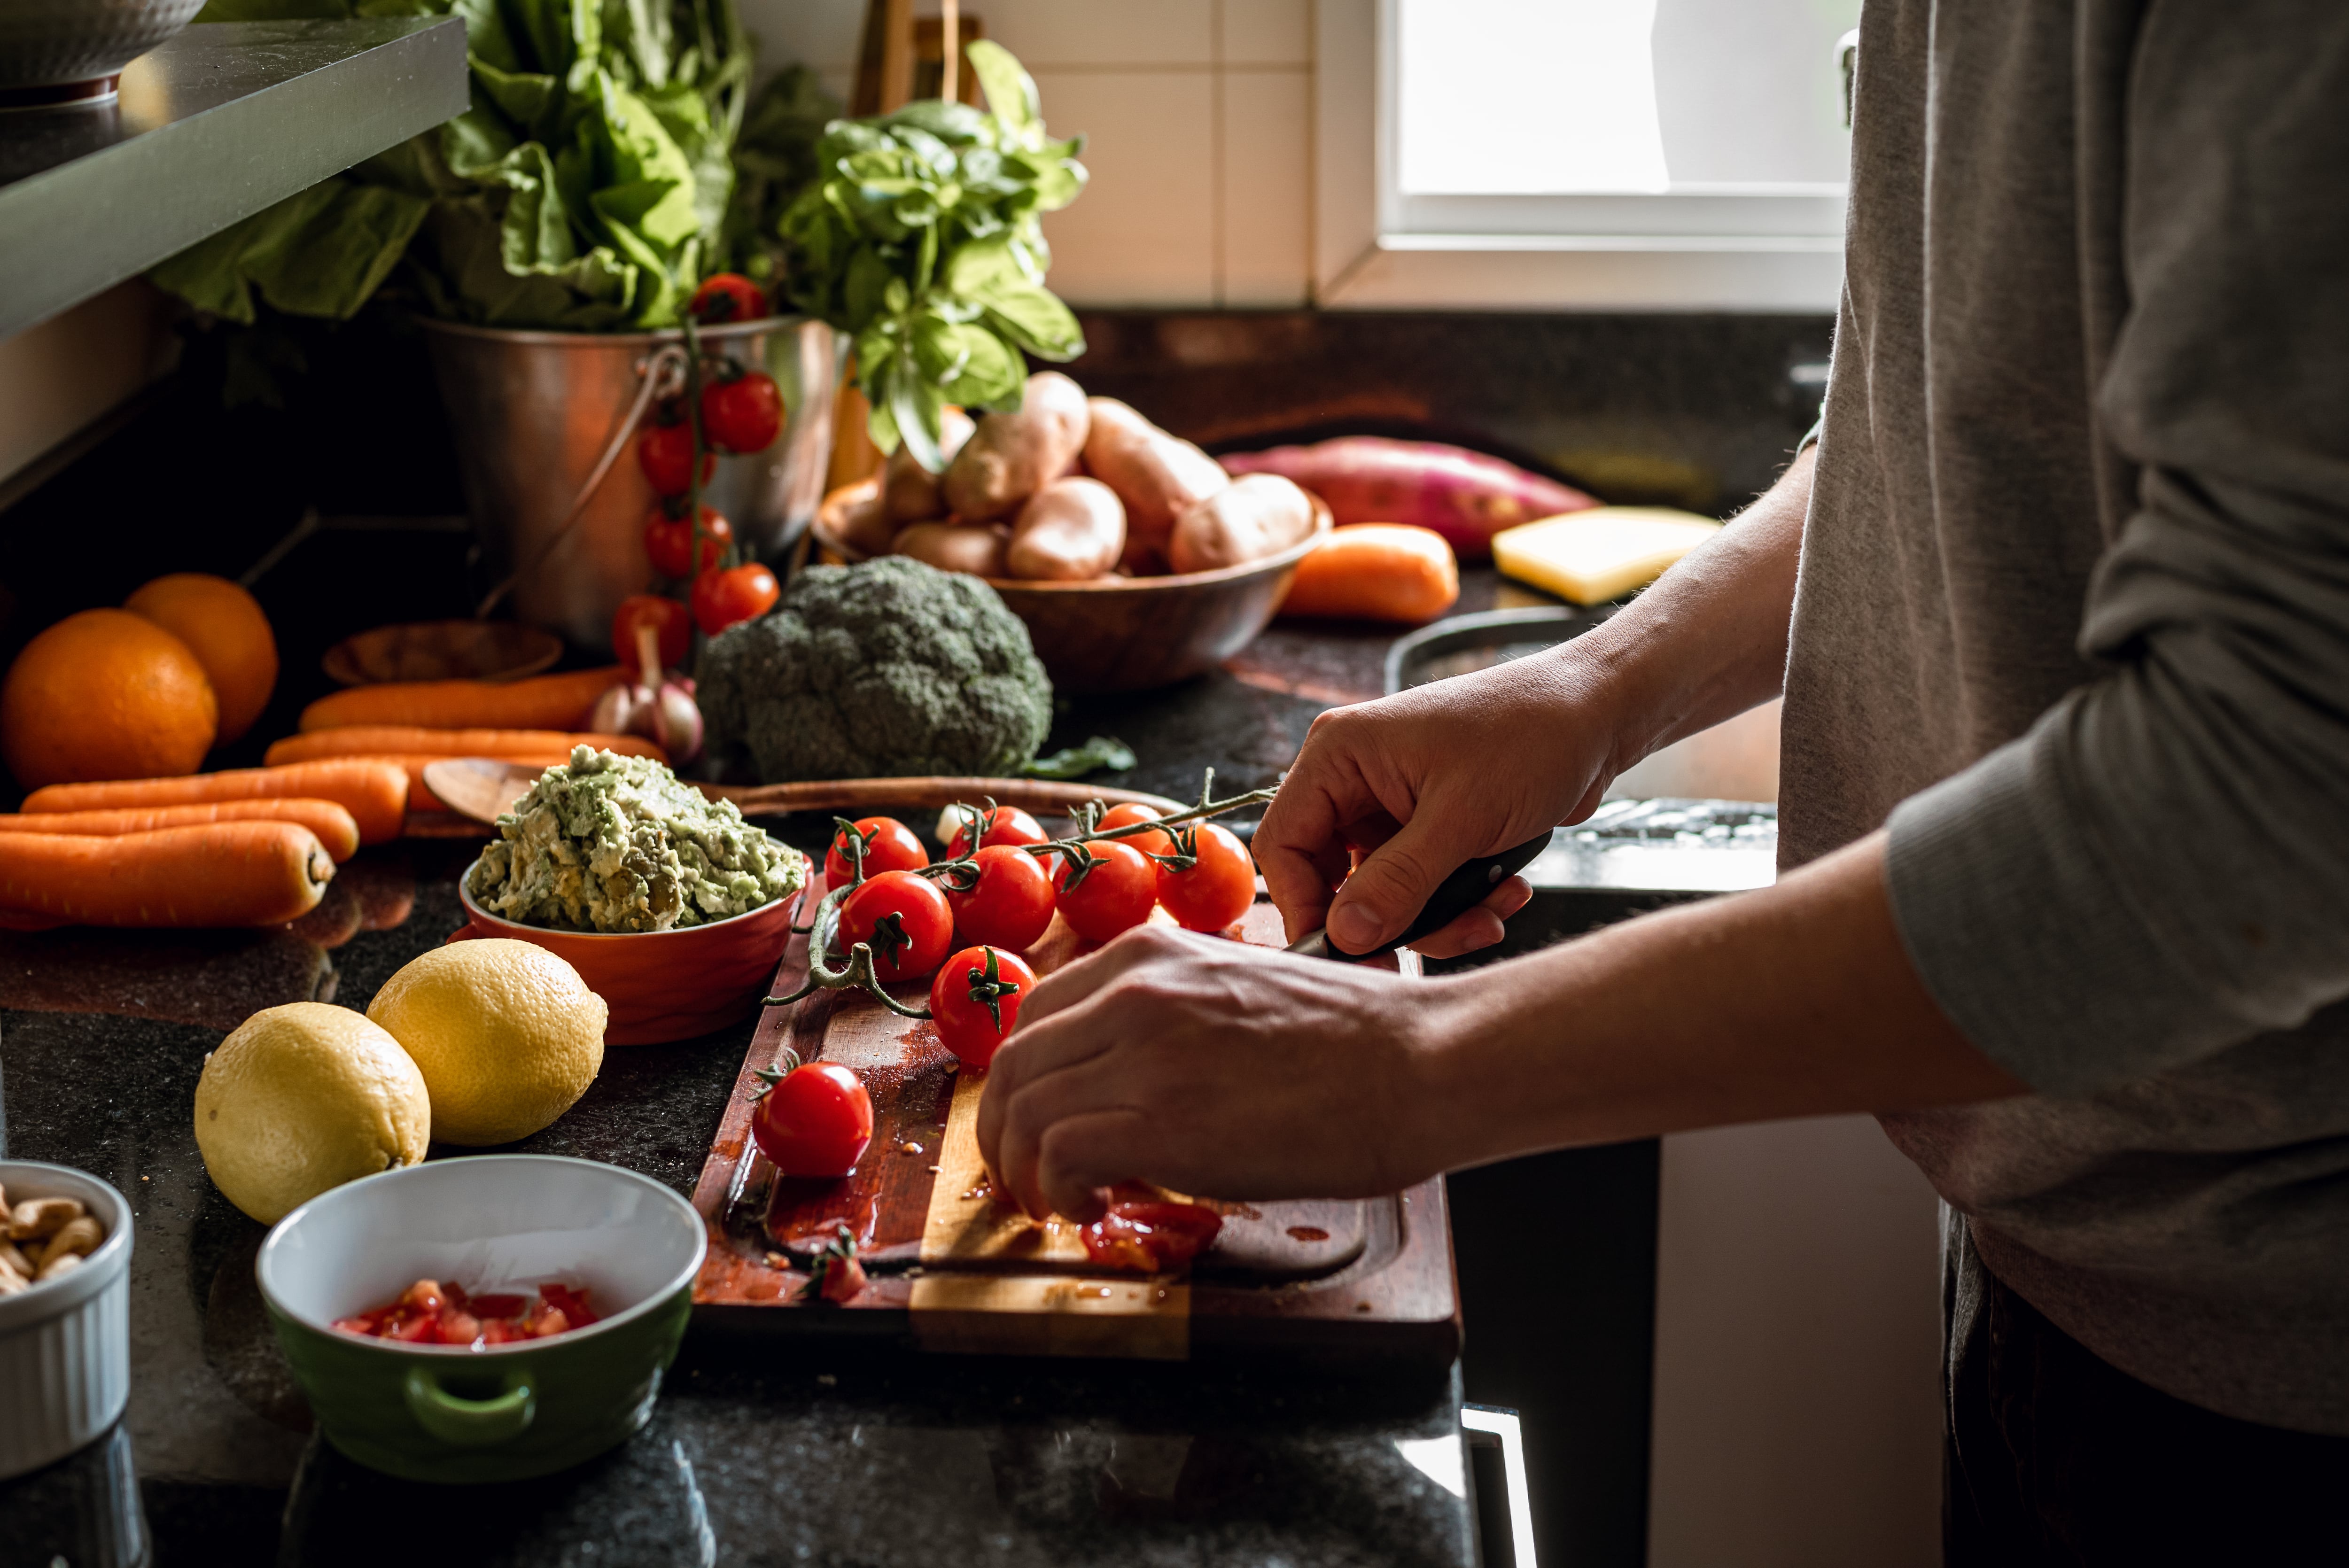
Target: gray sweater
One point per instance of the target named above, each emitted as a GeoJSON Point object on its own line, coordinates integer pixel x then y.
{"type": "Point", "coordinates": [2073, 616]}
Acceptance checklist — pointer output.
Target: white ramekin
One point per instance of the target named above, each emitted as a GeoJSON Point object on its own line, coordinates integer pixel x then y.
{"type": "Point", "coordinates": [64, 1347]}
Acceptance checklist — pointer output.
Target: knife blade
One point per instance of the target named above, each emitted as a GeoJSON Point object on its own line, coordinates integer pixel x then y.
{"type": "Point", "coordinates": [1454, 896]}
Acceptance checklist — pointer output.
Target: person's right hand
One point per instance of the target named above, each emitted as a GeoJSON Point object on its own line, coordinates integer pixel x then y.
{"type": "Point", "coordinates": [1425, 781]}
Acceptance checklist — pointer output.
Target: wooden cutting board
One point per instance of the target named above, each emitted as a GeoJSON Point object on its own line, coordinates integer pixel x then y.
{"type": "Point", "coordinates": [952, 1270]}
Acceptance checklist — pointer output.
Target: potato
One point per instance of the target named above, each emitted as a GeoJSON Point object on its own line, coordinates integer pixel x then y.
{"type": "Point", "coordinates": [910, 491]}
{"type": "Point", "coordinates": [1069, 531]}
{"type": "Point", "coordinates": [974, 548]}
{"type": "Point", "coordinates": [1257, 515]}
{"type": "Point", "coordinates": [1011, 456]}
{"type": "Point", "coordinates": [1159, 477]}
{"type": "Point", "coordinates": [868, 527]}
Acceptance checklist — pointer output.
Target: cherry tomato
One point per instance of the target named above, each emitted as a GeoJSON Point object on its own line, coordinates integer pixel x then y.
{"type": "Point", "coordinates": [1114, 893]}
{"type": "Point", "coordinates": [728, 296]}
{"type": "Point", "coordinates": [668, 540]}
{"type": "Point", "coordinates": [1012, 903]}
{"type": "Point", "coordinates": [1158, 843]}
{"type": "Point", "coordinates": [743, 413]}
{"type": "Point", "coordinates": [1150, 1235]}
{"type": "Point", "coordinates": [1219, 886]}
{"type": "Point", "coordinates": [889, 846]}
{"type": "Point", "coordinates": [666, 617]}
{"type": "Point", "coordinates": [1002, 825]}
{"type": "Point", "coordinates": [976, 1000]}
{"type": "Point", "coordinates": [721, 599]}
{"type": "Point", "coordinates": [665, 454]}
{"type": "Point", "coordinates": [903, 918]}
{"type": "Point", "coordinates": [813, 1121]}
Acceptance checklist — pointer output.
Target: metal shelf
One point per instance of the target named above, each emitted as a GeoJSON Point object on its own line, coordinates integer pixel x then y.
{"type": "Point", "coordinates": [211, 126]}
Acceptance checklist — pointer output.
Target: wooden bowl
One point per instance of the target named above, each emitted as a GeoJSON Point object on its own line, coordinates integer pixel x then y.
{"type": "Point", "coordinates": [443, 651]}
{"type": "Point", "coordinates": [1123, 634]}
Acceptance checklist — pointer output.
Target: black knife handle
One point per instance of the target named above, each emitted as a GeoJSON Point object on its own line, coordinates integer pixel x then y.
{"type": "Point", "coordinates": [1454, 896]}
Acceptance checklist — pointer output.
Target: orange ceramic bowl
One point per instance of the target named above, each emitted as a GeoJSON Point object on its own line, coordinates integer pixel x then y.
{"type": "Point", "coordinates": [661, 986]}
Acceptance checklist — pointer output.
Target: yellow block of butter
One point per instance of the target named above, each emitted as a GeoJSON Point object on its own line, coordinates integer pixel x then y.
{"type": "Point", "coordinates": [1589, 557]}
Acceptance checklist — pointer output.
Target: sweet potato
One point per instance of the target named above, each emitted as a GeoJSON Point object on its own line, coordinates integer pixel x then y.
{"type": "Point", "coordinates": [1011, 456]}
{"type": "Point", "coordinates": [1376, 572]}
{"type": "Point", "coordinates": [1158, 476]}
{"type": "Point", "coordinates": [1255, 516]}
{"type": "Point", "coordinates": [909, 492]}
{"type": "Point", "coordinates": [540, 702]}
{"type": "Point", "coordinates": [974, 548]}
{"type": "Point", "coordinates": [1465, 496]}
{"type": "Point", "coordinates": [1072, 531]}
{"type": "Point", "coordinates": [375, 793]}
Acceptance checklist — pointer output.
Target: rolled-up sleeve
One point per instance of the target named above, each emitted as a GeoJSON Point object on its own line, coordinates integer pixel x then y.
{"type": "Point", "coordinates": [2160, 868]}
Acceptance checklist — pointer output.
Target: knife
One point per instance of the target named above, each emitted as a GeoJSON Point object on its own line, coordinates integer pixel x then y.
{"type": "Point", "coordinates": [1454, 896]}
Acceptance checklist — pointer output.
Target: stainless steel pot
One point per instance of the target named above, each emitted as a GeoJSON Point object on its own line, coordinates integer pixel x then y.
{"type": "Point", "coordinates": [533, 411]}
{"type": "Point", "coordinates": [53, 51]}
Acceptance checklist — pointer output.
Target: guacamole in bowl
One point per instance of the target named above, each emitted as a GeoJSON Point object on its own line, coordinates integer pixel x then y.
{"type": "Point", "coordinates": [611, 844]}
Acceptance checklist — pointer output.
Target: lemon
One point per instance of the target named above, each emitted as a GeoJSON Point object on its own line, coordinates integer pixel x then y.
{"type": "Point", "coordinates": [507, 1035]}
{"type": "Point", "coordinates": [303, 1097]}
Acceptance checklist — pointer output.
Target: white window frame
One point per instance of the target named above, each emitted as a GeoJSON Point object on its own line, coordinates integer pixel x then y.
{"type": "Point", "coordinates": [1776, 249]}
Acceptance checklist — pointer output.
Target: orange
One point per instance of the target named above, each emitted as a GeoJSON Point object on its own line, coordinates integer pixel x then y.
{"type": "Point", "coordinates": [104, 694]}
{"type": "Point", "coordinates": [229, 635]}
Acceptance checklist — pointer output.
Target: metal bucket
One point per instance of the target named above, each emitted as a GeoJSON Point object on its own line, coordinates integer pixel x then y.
{"type": "Point", "coordinates": [533, 411]}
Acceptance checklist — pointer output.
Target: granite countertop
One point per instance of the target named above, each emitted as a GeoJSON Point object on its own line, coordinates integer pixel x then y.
{"type": "Point", "coordinates": [766, 1451]}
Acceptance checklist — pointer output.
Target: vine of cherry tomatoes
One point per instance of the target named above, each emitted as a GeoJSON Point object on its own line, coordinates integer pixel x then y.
{"type": "Point", "coordinates": [965, 922]}
{"type": "Point", "coordinates": [729, 408]}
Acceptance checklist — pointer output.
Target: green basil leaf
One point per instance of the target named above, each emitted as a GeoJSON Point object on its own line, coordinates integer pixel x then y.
{"type": "Point", "coordinates": [1010, 90]}
{"type": "Point", "coordinates": [1101, 751]}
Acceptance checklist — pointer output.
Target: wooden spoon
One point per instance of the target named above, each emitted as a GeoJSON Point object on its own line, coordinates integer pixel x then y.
{"type": "Point", "coordinates": [484, 790]}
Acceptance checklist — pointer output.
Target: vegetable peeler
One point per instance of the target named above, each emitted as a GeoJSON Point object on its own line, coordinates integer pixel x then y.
{"type": "Point", "coordinates": [1454, 896]}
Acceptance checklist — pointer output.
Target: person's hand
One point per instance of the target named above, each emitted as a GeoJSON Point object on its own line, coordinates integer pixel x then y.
{"type": "Point", "coordinates": [1415, 785]}
{"type": "Point", "coordinates": [1214, 1067]}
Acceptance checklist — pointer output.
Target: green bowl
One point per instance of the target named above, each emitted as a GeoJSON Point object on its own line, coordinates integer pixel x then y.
{"type": "Point", "coordinates": [450, 1413]}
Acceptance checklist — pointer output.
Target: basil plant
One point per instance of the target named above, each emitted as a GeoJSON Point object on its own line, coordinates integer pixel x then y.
{"type": "Point", "coordinates": [919, 238]}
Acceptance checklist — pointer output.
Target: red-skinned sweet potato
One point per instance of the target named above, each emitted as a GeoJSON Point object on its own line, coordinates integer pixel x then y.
{"type": "Point", "coordinates": [1465, 496]}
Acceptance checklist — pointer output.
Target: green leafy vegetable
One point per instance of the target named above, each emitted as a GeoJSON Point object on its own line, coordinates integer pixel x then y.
{"type": "Point", "coordinates": [590, 186]}
{"type": "Point", "coordinates": [1076, 761]}
{"type": "Point", "coordinates": [920, 238]}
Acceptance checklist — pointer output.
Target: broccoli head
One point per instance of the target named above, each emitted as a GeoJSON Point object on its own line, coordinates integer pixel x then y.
{"type": "Point", "coordinates": [884, 670]}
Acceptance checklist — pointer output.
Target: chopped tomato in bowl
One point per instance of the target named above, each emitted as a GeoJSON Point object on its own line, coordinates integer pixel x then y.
{"type": "Point", "coordinates": [430, 1313]}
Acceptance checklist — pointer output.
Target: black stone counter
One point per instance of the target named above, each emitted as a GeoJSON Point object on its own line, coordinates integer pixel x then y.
{"type": "Point", "coordinates": [760, 1451]}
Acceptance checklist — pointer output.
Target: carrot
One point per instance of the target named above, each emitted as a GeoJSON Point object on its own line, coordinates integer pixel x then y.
{"type": "Point", "coordinates": [374, 793]}
{"type": "Point", "coordinates": [226, 873]}
{"type": "Point", "coordinates": [389, 740]}
{"type": "Point", "coordinates": [420, 798]}
{"type": "Point", "coordinates": [1465, 496]}
{"type": "Point", "coordinates": [541, 702]}
{"type": "Point", "coordinates": [333, 824]}
{"type": "Point", "coordinates": [1376, 572]}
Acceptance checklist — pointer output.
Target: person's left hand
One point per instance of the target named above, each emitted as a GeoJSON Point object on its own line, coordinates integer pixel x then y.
{"type": "Point", "coordinates": [1214, 1067]}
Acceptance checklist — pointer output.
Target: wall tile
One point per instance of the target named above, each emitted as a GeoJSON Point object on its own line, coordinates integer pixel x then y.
{"type": "Point", "coordinates": [1268, 32]}
{"type": "Point", "coordinates": [1145, 34]}
{"type": "Point", "coordinates": [1143, 232]}
{"type": "Point", "coordinates": [1266, 187]}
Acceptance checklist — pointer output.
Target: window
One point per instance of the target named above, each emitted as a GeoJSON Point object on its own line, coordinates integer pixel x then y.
{"type": "Point", "coordinates": [1615, 154]}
